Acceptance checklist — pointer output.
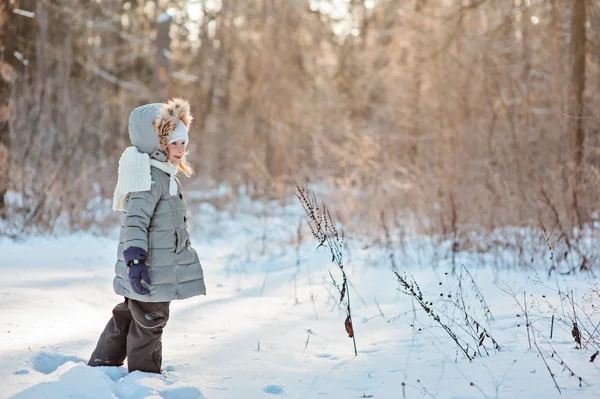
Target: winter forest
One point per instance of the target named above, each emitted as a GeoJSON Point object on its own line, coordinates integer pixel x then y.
{"type": "Point", "coordinates": [390, 199]}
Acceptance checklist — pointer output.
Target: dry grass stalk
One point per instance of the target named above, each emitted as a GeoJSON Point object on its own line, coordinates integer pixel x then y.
{"type": "Point", "coordinates": [553, 355]}
{"type": "Point", "coordinates": [469, 335]}
{"type": "Point", "coordinates": [324, 230]}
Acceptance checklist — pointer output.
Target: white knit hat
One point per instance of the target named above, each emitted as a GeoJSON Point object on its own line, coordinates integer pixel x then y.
{"type": "Point", "coordinates": [179, 133]}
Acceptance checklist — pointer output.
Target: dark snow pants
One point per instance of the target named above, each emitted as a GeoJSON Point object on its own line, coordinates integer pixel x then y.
{"type": "Point", "coordinates": [134, 332]}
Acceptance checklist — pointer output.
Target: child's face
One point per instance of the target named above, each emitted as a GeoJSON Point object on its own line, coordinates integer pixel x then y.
{"type": "Point", "coordinates": [176, 151]}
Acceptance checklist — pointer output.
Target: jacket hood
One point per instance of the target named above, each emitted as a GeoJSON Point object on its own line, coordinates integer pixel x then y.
{"type": "Point", "coordinates": [151, 125]}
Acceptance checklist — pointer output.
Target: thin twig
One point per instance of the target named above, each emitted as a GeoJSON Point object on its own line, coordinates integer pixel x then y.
{"type": "Point", "coordinates": [379, 308]}
{"type": "Point", "coordinates": [548, 367]}
{"type": "Point", "coordinates": [526, 319]}
{"type": "Point", "coordinates": [306, 344]}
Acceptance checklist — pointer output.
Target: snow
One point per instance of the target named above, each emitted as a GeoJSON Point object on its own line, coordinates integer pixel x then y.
{"type": "Point", "coordinates": [21, 58]}
{"type": "Point", "coordinates": [24, 13]}
{"type": "Point", "coordinates": [163, 17]}
{"type": "Point", "coordinates": [271, 325]}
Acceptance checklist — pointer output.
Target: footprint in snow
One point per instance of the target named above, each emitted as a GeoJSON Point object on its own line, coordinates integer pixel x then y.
{"type": "Point", "coordinates": [145, 385]}
{"type": "Point", "coordinates": [114, 373]}
{"type": "Point", "coordinates": [77, 380]}
{"type": "Point", "coordinates": [183, 393]}
{"type": "Point", "coordinates": [73, 380]}
{"type": "Point", "coordinates": [274, 390]}
{"type": "Point", "coordinates": [327, 356]}
{"type": "Point", "coordinates": [48, 363]}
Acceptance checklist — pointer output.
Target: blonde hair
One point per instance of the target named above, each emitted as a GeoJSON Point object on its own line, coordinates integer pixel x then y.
{"type": "Point", "coordinates": [185, 167]}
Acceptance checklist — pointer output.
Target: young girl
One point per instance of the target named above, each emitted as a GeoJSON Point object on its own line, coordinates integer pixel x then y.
{"type": "Point", "coordinates": [156, 263]}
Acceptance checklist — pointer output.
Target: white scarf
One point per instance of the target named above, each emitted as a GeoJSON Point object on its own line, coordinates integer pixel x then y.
{"type": "Point", "coordinates": [134, 175]}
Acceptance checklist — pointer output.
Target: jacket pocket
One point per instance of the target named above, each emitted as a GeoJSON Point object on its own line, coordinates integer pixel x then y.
{"type": "Point", "coordinates": [182, 239]}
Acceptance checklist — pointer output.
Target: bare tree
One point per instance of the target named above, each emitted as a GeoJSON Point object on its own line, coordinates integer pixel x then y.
{"type": "Point", "coordinates": [443, 109]}
{"type": "Point", "coordinates": [163, 55]}
{"type": "Point", "coordinates": [7, 77]}
{"type": "Point", "coordinates": [578, 43]}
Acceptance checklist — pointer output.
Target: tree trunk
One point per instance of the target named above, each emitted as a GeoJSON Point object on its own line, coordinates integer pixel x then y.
{"type": "Point", "coordinates": [7, 77]}
{"type": "Point", "coordinates": [112, 43]}
{"type": "Point", "coordinates": [578, 40]}
{"type": "Point", "coordinates": [556, 55]}
{"type": "Point", "coordinates": [163, 46]}
{"type": "Point", "coordinates": [417, 81]}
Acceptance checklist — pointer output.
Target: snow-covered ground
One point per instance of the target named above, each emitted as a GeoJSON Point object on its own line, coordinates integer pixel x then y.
{"type": "Point", "coordinates": [271, 325]}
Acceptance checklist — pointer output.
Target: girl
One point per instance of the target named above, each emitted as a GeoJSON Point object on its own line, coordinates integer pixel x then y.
{"type": "Point", "coordinates": [156, 262]}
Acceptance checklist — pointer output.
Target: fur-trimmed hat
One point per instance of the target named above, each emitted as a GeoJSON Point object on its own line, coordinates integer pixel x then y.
{"type": "Point", "coordinates": [171, 112]}
{"type": "Point", "coordinates": [151, 125]}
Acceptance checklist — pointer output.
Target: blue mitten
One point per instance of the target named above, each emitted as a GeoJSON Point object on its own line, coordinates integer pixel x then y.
{"type": "Point", "coordinates": [135, 258]}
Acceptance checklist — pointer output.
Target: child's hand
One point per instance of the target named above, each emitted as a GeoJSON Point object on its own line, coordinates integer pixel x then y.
{"type": "Point", "coordinates": [137, 273]}
{"type": "Point", "coordinates": [136, 260]}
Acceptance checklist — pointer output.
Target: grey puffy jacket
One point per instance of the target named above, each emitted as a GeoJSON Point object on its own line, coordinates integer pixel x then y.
{"type": "Point", "coordinates": [156, 221]}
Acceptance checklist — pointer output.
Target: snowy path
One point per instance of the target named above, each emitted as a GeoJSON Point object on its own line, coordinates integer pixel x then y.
{"type": "Point", "coordinates": [248, 338]}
